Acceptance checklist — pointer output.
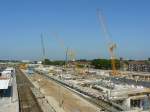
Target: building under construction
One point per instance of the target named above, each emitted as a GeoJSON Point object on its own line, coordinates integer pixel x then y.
{"type": "Point", "coordinates": [8, 90]}
{"type": "Point", "coordinates": [99, 86]}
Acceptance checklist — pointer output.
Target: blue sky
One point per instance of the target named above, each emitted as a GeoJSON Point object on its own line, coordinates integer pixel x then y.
{"type": "Point", "coordinates": [76, 23]}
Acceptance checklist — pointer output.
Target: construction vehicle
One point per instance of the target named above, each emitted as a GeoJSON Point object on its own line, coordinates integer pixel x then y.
{"type": "Point", "coordinates": [23, 66]}
{"type": "Point", "coordinates": [111, 45]}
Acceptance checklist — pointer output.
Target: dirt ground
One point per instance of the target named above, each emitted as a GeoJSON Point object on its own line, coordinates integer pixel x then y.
{"type": "Point", "coordinates": [28, 102]}
{"type": "Point", "coordinates": [61, 98]}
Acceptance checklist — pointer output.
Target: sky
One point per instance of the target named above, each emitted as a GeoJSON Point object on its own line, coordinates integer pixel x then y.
{"type": "Point", "coordinates": [77, 27]}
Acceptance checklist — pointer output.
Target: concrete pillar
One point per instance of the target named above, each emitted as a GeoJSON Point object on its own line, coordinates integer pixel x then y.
{"type": "Point", "coordinates": [141, 103]}
{"type": "Point", "coordinates": [127, 103]}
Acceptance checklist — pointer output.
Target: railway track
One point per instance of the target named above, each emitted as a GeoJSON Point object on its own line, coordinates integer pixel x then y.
{"type": "Point", "coordinates": [27, 101]}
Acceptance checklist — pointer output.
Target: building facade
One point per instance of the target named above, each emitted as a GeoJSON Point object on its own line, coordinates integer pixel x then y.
{"type": "Point", "coordinates": [139, 66]}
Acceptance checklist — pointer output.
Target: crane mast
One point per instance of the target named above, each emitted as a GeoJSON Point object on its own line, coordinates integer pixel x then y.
{"type": "Point", "coordinates": [43, 47]}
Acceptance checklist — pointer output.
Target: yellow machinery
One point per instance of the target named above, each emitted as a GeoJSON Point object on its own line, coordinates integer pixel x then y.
{"type": "Point", "coordinates": [111, 44]}
{"type": "Point", "coordinates": [113, 63]}
{"type": "Point", "coordinates": [23, 66]}
{"type": "Point", "coordinates": [70, 56]}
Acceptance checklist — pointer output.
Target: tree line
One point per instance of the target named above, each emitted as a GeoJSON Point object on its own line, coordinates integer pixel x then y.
{"type": "Point", "coordinates": [95, 63]}
{"type": "Point", "coordinates": [104, 64]}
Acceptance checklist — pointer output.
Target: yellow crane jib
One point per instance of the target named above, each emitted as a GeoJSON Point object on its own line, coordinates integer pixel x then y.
{"type": "Point", "coordinates": [111, 44]}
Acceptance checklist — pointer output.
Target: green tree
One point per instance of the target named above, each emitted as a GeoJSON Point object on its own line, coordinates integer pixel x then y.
{"type": "Point", "coordinates": [104, 64]}
{"type": "Point", "coordinates": [48, 62]}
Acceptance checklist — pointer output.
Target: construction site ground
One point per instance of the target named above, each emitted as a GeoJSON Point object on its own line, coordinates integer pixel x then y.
{"type": "Point", "coordinates": [60, 98]}
{"type": "Point", "coordinates": [27, 100]}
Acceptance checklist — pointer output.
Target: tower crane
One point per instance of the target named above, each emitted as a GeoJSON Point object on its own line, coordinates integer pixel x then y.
{"type": "Point", "coordinates": [70, 54]}
{"type": "Point", "coordinates": [43, 47]}
{"type": "Point", "coordinates": [111, 45]}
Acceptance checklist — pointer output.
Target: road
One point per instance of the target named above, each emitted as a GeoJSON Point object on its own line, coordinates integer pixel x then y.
{"type": "Point", "coordinates": [27, 101]}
